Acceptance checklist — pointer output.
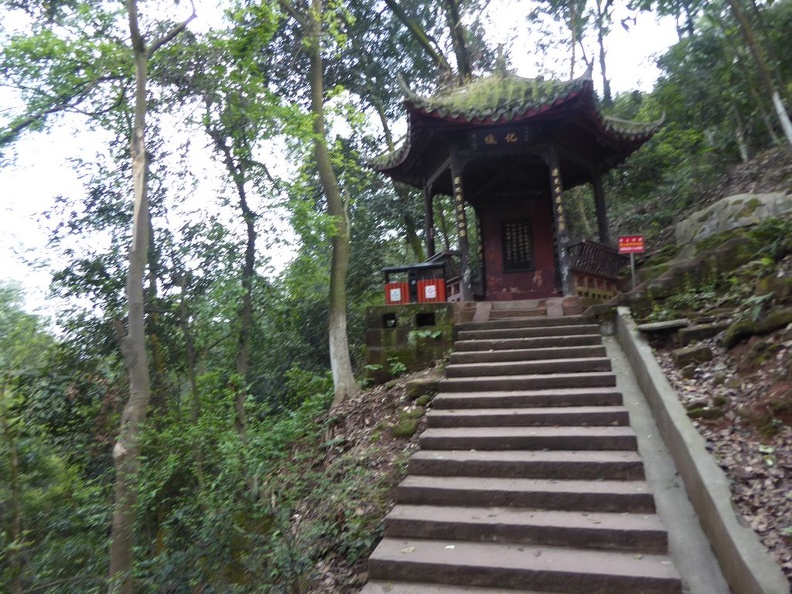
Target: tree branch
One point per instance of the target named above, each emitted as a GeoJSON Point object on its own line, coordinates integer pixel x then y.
{"type": "Point", "coordinates": [422, 38]}
{"type": "Point", "coordinates": [159, 42]}
{"type": "Point", "coordinates": [293, 13]}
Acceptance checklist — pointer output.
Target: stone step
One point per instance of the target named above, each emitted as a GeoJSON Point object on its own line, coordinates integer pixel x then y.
{"type": "Point", "coordinates": [639, 533]}
{"type": "Point", "coordinates": [535, 354]}
{"type": "Point", "coordinates": [549, 494]}
{"type": "Point", "coordinates": [587, 465]}
{"type": "Point", "coordinates": [496, 344]}
{"type": "Point", "coordinates": [510, 566]}
{"type": "Point", "coordinates": [528, 417]}
{"type": "Point", "coordinates": [528, 322]}
{"type": "Point", "coordinates": [549, 381]}
{"type": "Point", "coordinates": [528, 332]}
{"type": "Point", "coordinates": [520, 314]}
{"type": "Point", "coordinates": [604, 396]}
{"type": "Point", "coordinates": [529, 438]}
{"type": "Point", "coordinates": [390, 587]}
{"type": "Point", "coordinates": [545, 366]}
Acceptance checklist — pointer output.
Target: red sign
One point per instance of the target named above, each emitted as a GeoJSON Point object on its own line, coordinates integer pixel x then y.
{"type": "Point", "coordinates": [632, 244]}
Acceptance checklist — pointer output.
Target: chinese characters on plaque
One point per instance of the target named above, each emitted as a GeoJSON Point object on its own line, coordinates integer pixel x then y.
{"type": "Point", "coordinates": [517, 246]}
{"type": "Point", "coordinates": [499, 137]}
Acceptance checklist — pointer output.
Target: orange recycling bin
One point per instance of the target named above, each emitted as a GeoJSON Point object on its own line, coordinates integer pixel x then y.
{"type": "Point", "coordinates": [397, 293]}
{"type": "Point", "coordinates": [431, 290]}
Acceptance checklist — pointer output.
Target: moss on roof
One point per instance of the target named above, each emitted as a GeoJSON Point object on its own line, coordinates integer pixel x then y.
{"type": "Point", "coordinates": [499, 97]}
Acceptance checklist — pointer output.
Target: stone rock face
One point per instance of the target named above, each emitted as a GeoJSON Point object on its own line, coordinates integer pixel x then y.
{"type": "Point", "coordinates": [695, 354]}
{"type": "Point", "coordinates": [732, 212]}
{"type": "Point", "coordinates": [701, 332]}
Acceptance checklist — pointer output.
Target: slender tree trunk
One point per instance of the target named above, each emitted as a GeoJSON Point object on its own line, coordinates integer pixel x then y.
{"type": "Point", "coordinates": [430, 45]}
{"type": "Point", "coordinates": [457, 31]}
{"type": "Point", "coordinates": [410, 227]}
{"type": "Point", "coordinates": [602, 17]}
{"type": "Point", "coordinates": [764, 73]}
{"type": "Point", "coordinates": [238, 172]}
{"type": "Point", "coordinates": [344, 382]}
{"type": "Point", "coordinates": [739, 135]}
{"type": "Point", "coordinates": [246, 310]}
{"type": "Point", "coordinates": [126, 452]}
{"type": "Point", "coordinates": [443, 227]}
{"type": "Point", "coordinates": [191, 362]}
{"type": "Point", "coordinates": [732, 57]}
{"type": "Point", "coordinates": [573, 31]}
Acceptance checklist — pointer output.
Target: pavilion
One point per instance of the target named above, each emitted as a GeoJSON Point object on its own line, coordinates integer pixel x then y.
{"type": "Point", "coordinates": [509, 147]}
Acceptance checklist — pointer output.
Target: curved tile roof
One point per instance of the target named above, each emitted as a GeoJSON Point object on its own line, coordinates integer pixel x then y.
{"type": "Point", "coordinates": [504, 97]}
{"type": "Point", "coordinates": [500, 97]}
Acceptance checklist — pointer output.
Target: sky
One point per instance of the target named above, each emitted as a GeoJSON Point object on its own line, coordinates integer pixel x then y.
{"type": "Point", "coordinates": [41, 166]}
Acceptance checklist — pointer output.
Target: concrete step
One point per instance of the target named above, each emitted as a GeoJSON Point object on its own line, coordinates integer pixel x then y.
{"type": "Point", "coordinates": [639, 533]}
{"type": "Point", "coordinates": [535, 354]}
{"type": "Point", "coordinates": [528, 322]}
{"type": "Point", "coordinates": [391, 587]}
{"type": "Point", "coordinates": [604, 396]}
{"type": "Point", "coordinates": [511, 566]}
{"type": "Point", "coordinates": [528, 417]}
{"type": "Point", "coordinates": [528, 332]}
{"type": "Point", "coordinates": [586, 465]}
{"type": "Point", "coordinates": [496, 344]}
{"type": "Point", "coordinates": [549, 494]}
{"type": "Point", "coordinates": [519, 314]}
{"type": "Point", "coordinates": [549, 381]}
{"type": "Point", "coordinates": [529, 438]}
{"type": "Point", "coordinates": [576, 365]}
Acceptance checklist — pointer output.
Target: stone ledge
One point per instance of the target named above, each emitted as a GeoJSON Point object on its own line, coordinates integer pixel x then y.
{"type": "Point", "coordinates": [747, 565]}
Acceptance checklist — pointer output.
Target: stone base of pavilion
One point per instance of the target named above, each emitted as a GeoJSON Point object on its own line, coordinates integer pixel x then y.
{"type": "Point", "coordinates": [483, 311]}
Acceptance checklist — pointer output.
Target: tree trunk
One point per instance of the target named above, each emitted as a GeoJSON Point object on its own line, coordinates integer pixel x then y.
{"type": "Point", "coordinates": [602, 16]}
{"type": "Point", "coordinates": [761, 65]}
{"type": "Point", "coordinates": [573, 40]}
{"type": "Point", "coordinates": [246, 310]}
{"type": "Point", "coordinates": [457, 31]}
{"type": "Point", "coordinates": [429, 45]}
{"type": "Point", "coordinates": [739, 135]}
{"type": "Point", "coordinates": [191, 361]}
{"type": "Point", "coordinates": [443, 226]}
{"type": "Point", "coordinates": [126, 452]}
{"type": "Point", "coordinates": [238, 172]}
{"type": "Point", "coordinates": [410, 227]}
{"type": "Point", "coordinates": [344, 383]}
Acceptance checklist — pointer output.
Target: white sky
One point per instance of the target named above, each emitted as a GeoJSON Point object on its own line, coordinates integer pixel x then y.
{"type": "Point", "coordinates": [42, 169]}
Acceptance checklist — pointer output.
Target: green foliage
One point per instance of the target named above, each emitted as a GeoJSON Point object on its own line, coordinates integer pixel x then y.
{"type": "Point", "coordinates": [416, 337]}
{"type": "Point", "coordinates": [396, 367]}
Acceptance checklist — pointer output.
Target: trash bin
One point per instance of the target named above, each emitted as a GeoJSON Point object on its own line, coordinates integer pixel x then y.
{"type": "Point", "coordinates": [397, 293]}
{"type": "Point", "coordinates": [431, 290]}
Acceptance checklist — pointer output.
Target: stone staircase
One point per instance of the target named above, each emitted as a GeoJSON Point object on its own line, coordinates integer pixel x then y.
{"type": "Point", "coordinates": [528, 477]}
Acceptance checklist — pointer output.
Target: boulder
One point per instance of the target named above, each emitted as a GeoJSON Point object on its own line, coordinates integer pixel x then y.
{"type": "Point", "coordinates": [701, 332]}
{"type": "Point", "coordinates": [732, 212]}
{"type": "Point", "coordinates": [695, 354]}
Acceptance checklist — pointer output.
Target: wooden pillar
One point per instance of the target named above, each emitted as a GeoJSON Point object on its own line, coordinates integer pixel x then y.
{"type": "Point", "coordinates": [462, 231]}
{"type": "Point", "coordinates": [482, 263]}
{"type": "Point", "coordinates": [561, 224]}
{"type": "Point", "coordinates": [602, 212]}
{"type": "Point", "coordinates": [429, 231]}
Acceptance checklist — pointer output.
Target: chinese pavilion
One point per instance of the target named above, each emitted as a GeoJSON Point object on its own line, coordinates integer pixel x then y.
{"type": "Point", "coordinates": [509, 147]}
